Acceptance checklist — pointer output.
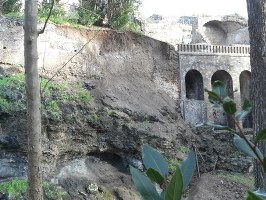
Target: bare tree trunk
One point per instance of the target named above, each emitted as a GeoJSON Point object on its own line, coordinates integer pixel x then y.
{"type": "Point", "coordinates": [257, 33]}
{"type": "Point", "coordinates": [33, 100]}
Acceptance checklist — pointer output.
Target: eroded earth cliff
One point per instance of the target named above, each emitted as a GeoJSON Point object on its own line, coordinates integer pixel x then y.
{"type": "Point", "coordinates": [133, 82]}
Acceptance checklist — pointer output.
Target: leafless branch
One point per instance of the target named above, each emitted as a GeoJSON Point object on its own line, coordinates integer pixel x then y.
{"type": "Point", "coordinates": [43, 66]}
{"type": "Point", "coordinates": [78, 52]}
{"type": "Point", "coordinates": [46, 21]}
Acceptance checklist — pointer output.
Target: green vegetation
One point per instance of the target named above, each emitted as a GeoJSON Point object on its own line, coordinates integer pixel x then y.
{"type": "Point", "coordinates": [58, 15]}
{"type": "Point", "coordinates": [238, 178]}
{"type": "Point", "coordinates": [182, 149]}
{"type": "Point", "coordinates": [10, 6]}
{"type": "Point", "coordinates": [157, 172]}
{"type": "Point", "coordinates": [105, 195]}
{"type": "Point", "coordinates": [93, 117]}
{"type": "Point", "coordinates": [218, 97]}
{"type": "Point", "coordinates": [172, 163]}
{"type": "Point", "coordinates": [16, 189]}
{"type": "Point", "coordinates": [86, 15]}
{"type": "Point", "coordinates": [116, 14]}
{"type": "Point", "coordinates": [12, 94]}
{"type": "Point", "coordinates": [55, 95]}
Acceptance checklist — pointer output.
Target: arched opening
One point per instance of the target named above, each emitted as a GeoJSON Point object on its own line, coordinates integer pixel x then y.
{"type": "Point", "coordinates": [194, 85]}
{"type": "Point", "coordinates": [219, 116]}
{"type": "Point", "coordinates": [245, 90]}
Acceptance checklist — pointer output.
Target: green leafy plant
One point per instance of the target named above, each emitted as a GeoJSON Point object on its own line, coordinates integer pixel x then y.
{"type": "Point", "coordinates": [157, 174]}
{"type": "Point", "coordinates": [87, 16]}
{"type": "Point", "coordinates": [16, 189]}
{"type": "Point", "coordinates": [58, 15]}
{"type": "Point", "coordinates": [218, 98]}
{"type": "Point", "coordinates": [246, 180]}
{"type": "Point", "coordinates": [10, 6]}
{"type": "Point", "coordinates": [55, 95]}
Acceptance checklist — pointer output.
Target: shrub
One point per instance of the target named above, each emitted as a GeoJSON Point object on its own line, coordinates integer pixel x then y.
{"type": "Point", "coordinates": [86, 16]}
{"type": "Point", "coordinates": [58, 15]}
{"type": "Point", "coordinates": [54, 96]}
{"type": "Point", "coordinates": [16, 189]}
{"type": "Point", "coordinates": [10, 6]}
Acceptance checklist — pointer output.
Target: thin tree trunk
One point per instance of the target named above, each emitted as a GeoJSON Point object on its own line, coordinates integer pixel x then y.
{"type": "Point", "coordinates": [257, 34]}
{"type": "Point", "coordinates": [33, 100]}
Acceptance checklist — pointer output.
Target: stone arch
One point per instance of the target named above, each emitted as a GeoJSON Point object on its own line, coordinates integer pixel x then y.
{"type": "Point", "coordinates": [219, 117]}
{"type": "Point", "coordinates": [194, 85]}
{"type": "Point", "coordinates": [245, 93]}
{"type": "Point", "coordinates": [226, 78]}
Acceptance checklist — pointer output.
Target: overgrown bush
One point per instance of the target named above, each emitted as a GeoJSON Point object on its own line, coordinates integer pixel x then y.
{"type": "Point", "coordinates": [54, 96]}
{"type": "Point", "coordinates": [57, 15]}
{"type": "Point", "coordinates": [86, 16]}
{"type": "Point", "coordinates": [16, 189]}
{"type": "Point", "coordinates": [10, 6]}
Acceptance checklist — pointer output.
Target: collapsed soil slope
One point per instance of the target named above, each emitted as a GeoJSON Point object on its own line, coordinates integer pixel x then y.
{"type": "Point", "coordinates": [133, 81]}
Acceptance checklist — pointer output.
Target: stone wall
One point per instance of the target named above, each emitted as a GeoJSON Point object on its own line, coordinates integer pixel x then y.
{"type": "Point", "coordinates": [207, 60]}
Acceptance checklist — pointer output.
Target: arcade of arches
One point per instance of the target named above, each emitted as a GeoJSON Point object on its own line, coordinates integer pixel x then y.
{"type": "Point", "coordinates": [194, 86]}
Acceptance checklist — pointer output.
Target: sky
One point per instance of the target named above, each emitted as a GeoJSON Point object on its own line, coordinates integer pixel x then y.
{"type": "Point", "coordinates": [190, 7]}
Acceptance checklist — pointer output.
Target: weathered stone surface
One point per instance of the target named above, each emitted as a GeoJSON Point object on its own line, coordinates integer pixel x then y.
{"type": "Point", "coordinates": [216, 30]}
{"type": "Point", "coordinates": [12, 165]}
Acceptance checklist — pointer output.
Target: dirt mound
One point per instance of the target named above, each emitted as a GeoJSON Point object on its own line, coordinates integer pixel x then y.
{"type": "Point", "coordinates": [213, 187]}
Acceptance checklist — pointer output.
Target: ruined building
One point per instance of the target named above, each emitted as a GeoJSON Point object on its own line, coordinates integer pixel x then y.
{"type": "Point", "coordinates": [218, 50]}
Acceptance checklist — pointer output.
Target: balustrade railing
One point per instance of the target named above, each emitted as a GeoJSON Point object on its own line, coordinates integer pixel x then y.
{"type": "Point", "coordinates": [205, 48]}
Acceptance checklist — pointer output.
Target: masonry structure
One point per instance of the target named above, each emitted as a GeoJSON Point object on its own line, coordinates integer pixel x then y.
{"type": "Point", "coordinates": [218, 50]}
{"type": "Point", "coordinates": [200, 66]}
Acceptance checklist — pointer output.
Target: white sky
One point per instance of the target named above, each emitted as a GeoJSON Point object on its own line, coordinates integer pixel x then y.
{"type": "Point", "coordinates": [190, 7]}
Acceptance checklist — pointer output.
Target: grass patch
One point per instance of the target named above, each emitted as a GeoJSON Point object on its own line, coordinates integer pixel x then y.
{"type": "Point", "coordinates": [172, 164]}
{"type": "Point", "coordinates": [105, 195]}
{"type": "Point", "coordinates": [182, 149]}
{"type": "Point", "coordinates": [55, 96]}
{"type": "Point", "coordinates": [243, 179]}
{"type": "Point", "coordinates": [17, 189]}
{"type": "Point", "coordinates": [93, 117]}
{"type": "Point", "coordinates": [14, 15]}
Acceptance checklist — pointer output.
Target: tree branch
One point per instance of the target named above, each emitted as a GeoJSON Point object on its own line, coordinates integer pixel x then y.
{"type": "Point", "coordinates": [253, 148]}
{"type": "Point", "coordinates": [55, 74]}
{"type": "Point", "coordinates": [46, 21]}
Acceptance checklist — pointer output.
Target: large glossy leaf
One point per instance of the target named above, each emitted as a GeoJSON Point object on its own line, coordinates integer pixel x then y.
{"type": "Point", "coordinates": [264, 164]}
{"type": "Point", "coordinates": [241, 115]}
{"type": "Point", "coordinates": [260, 136]}
{"type": "Point", "coordinates": [144, 186]}
{"type": "Point", "coordinates": [218, 87]}
{"type": "Point", "coordinates": [163, 194]}
{"type": "Point", "coordinates": [213, 97]}
{"type": "Point", "coordinates": [246, 105]}
{"type": "Point", "coordinates": [155, 176]}
{"type": "Point", "coordinates": [220, 127]}
{"type": "Point", "coordinates": [153, 159]}
{"type": "Point", "coordinates": [241, 144]}
{"type": "Point", "coordinates": [174, 190]}
{"type": "Point", "coordinates": [252, 196]}
{"type": "Point", "coordinates": [229, 105]}
{"type": "Point", "coordinates": [187, 168]}
{"type": "Point", "coordinates": [261, 194]}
